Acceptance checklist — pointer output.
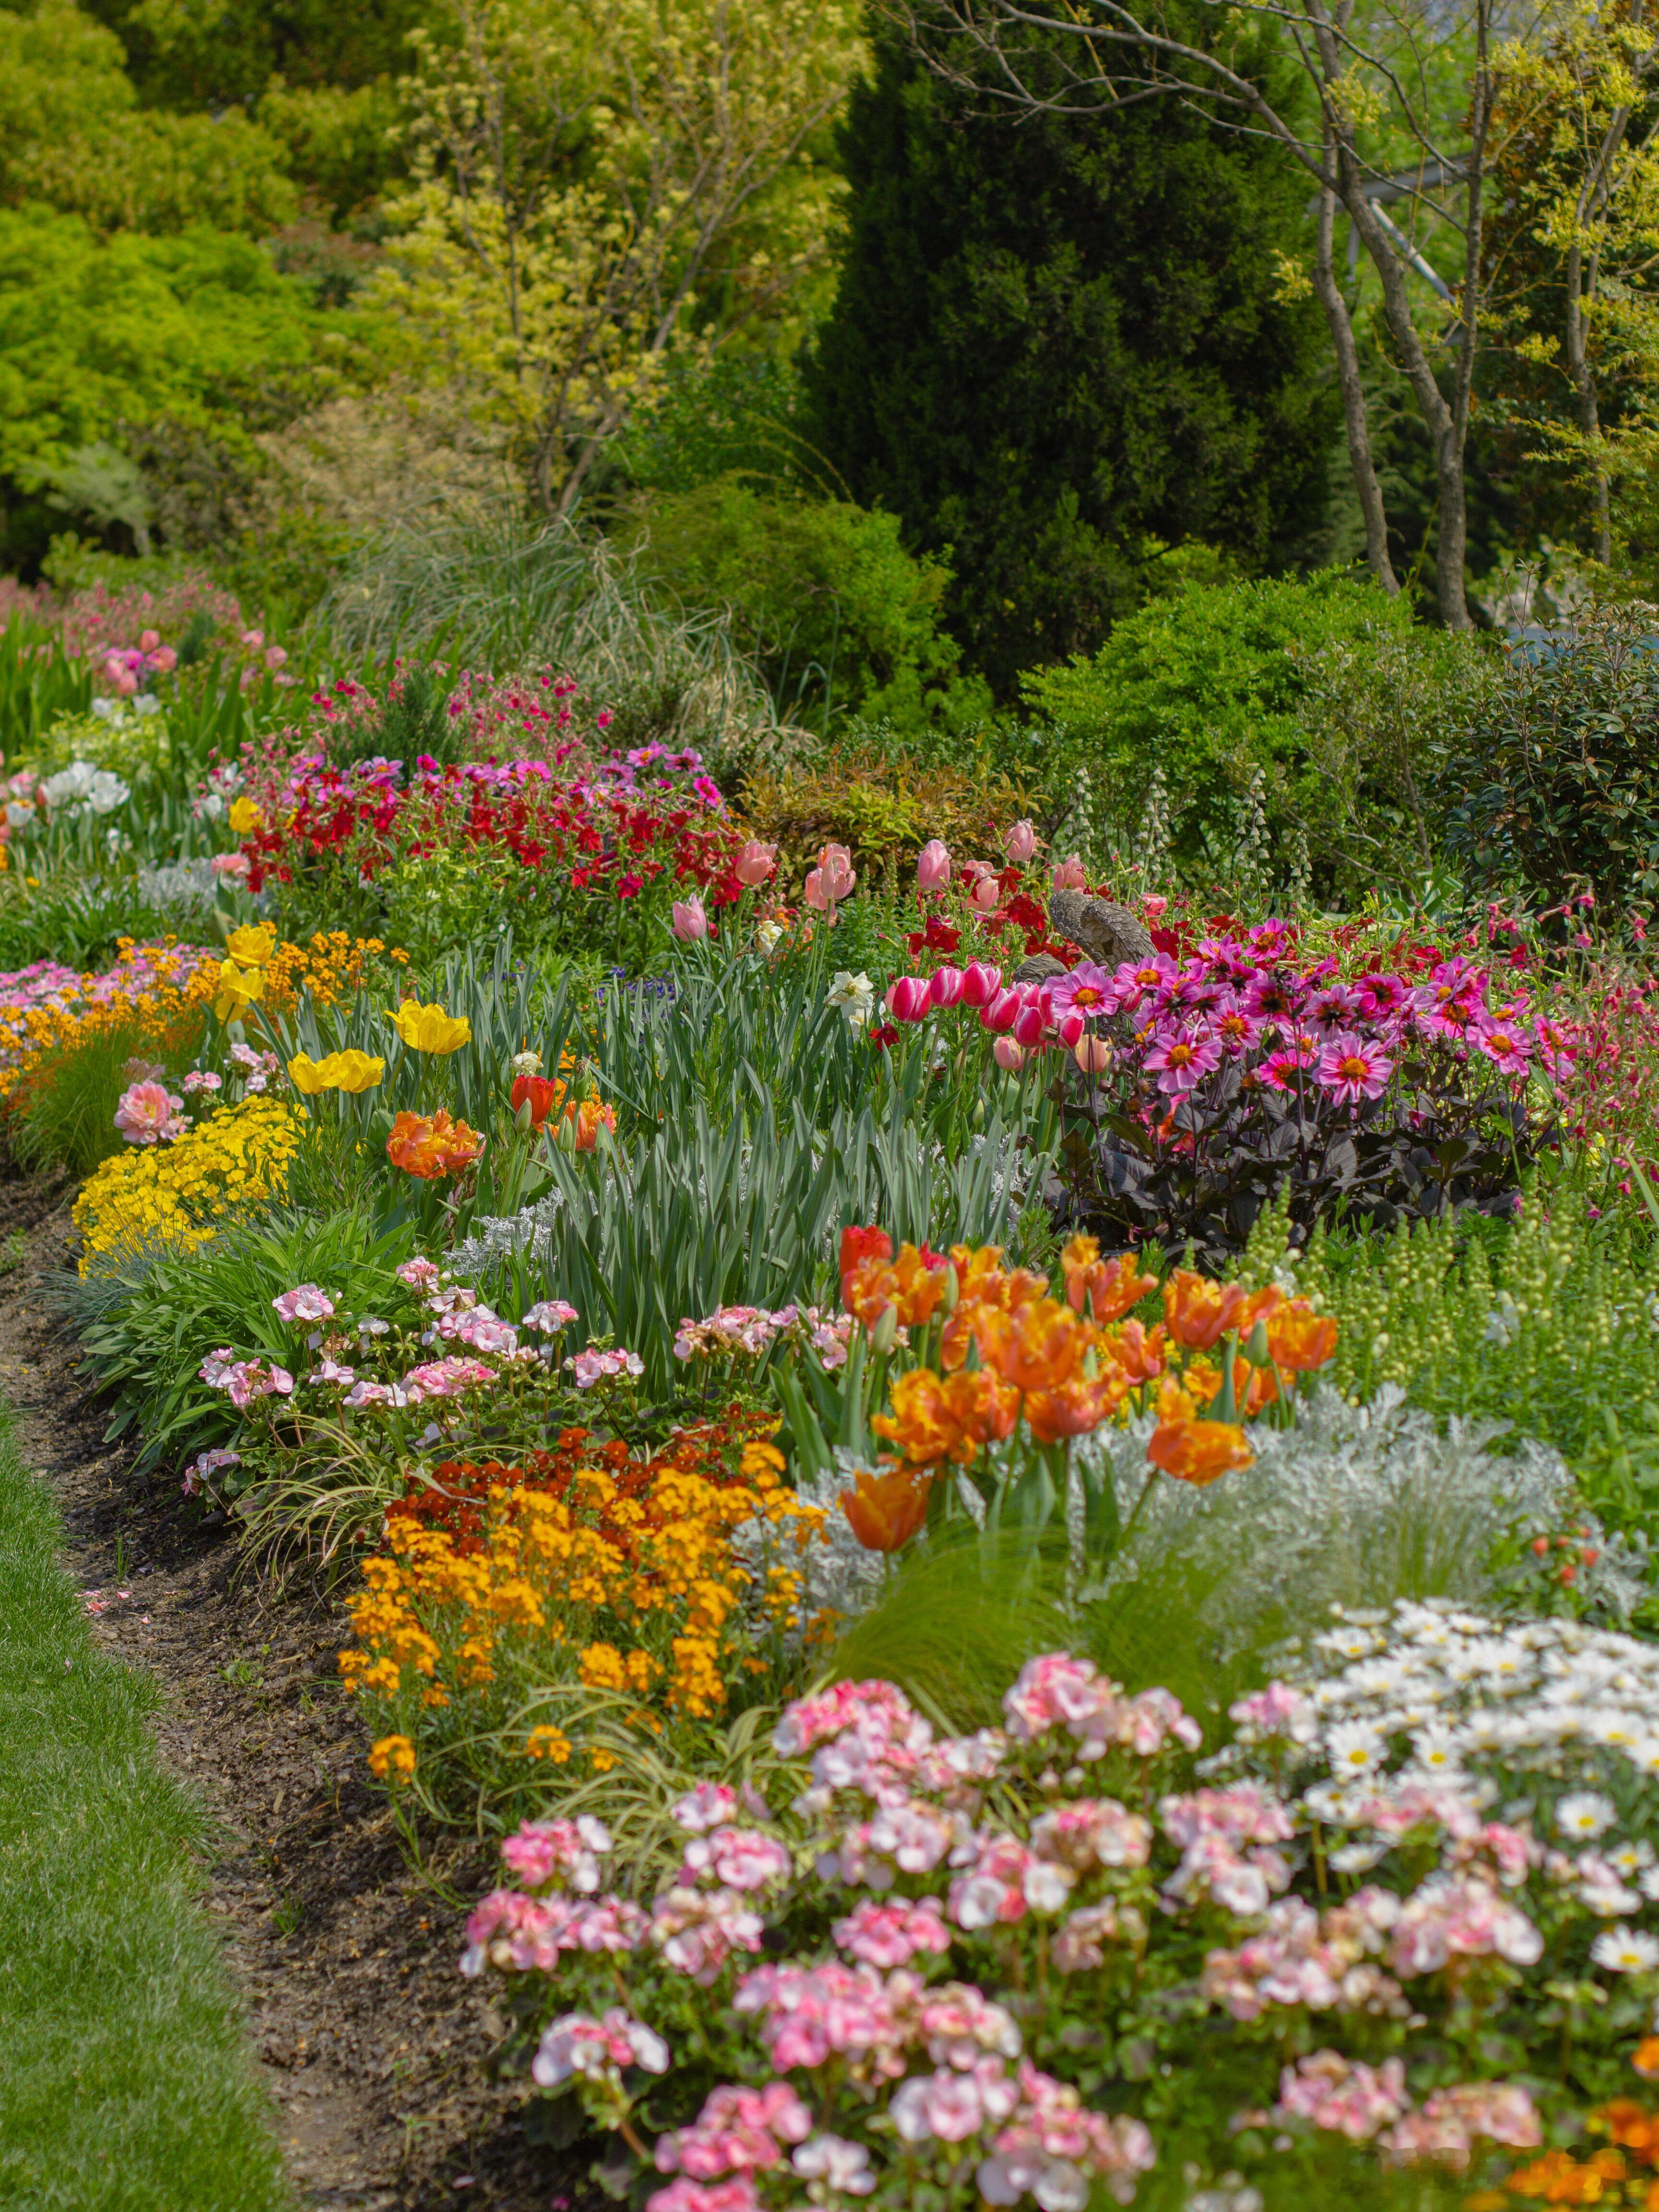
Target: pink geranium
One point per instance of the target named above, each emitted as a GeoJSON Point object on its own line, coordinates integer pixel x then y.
{"type": "Point", "coordinates": [149, 1114]}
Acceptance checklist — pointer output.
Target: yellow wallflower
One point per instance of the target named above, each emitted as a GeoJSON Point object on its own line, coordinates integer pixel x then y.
{"type": "Point", "coordinates": [180, 1194]}
{"type": "Point", "coordinates": [394, 1758]}
{"type": "Point", "coordinates": [352, 1071]}
{"type": "Point", "coordinates": [429, 1029]}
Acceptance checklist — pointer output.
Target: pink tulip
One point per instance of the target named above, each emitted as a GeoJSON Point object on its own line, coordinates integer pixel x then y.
{"type": "Point", "coordinates": [1092, 1055]}
{"type": "Point", "coordinates": [1008, 1054]}
{"type": "Point", "coordinates": [979, 983]}
{"type": "Point", "coordinates": [1003, 1012]}
{"type": "Point", "coordinates": [947, 987]}
{"type": "Point", "coordinates": [1029, 1024]}
{"type": "Point", "coordinates": [1069, 1028]}
{"type": "Point", "coordinates": [1153, 904]}
{"type": "Point", "coordinates": [690, 922]}
{"type": "Point", "coordinates": [231, 863]}
{"type": "Point", "coordinates": [1069, 876]}
{"type": "Point", "coordinates": [1020, 843]}
{"type": "Point", "coordinates": [907, 998]}
{"type": "Point", "coordinates": [755, 861]}
{"type": "Point", "coordinates": [126, 684]}
{"type": "Point", "coordinates": [837, 863]}
{"type": "Point", "coordinates": [986, 896]}
{"type": "Point", "coordinates": [933, 866]}
{"type": "Point", "coordinates": [814, 892]}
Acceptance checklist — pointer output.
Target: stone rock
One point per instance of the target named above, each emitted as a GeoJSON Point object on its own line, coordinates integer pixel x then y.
{"type": "Point", "coordinates": [1038, 967]}
{"type": "Point", "coordinates": [1109, 934]}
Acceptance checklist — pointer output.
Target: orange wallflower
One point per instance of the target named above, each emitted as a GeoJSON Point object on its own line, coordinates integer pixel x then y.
{"type": "Point", "coordinates": [1199, 1451]}
{"type": "Point", "coordinates": [1558, 2177]}
{"type": "Point", "coordinates": [1108, 1287]}
{"type": "Point", "coordinates": [1646, 2058]}
{"type": "Point", "coordinates": [1633, 2127]}
{"type": "Point", "coordinates": [1199, 1311]}
{"type": "Point", "coordinates": [430, 1145]}
{"type": "Point", "coordinates": [1299, 1339]}
{"type": "Point", "coordinates": [886, 1511]}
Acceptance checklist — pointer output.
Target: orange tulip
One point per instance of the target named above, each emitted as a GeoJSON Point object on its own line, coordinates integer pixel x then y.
{"type": "Point", "coordinates": [886, 1511]}
{"type": "Point", "coordinates": [1073, 1407]}
{"type": "Point", "coordinates": [1199, 1311]}
{"type": "Point", "coordinates": [912, 1286]}
{"type": "Point", "coordinates": [1108, 1288]}
{"type": "Point", "coordinates": [1299, 1339]}
{"type": "Point", "coordinates": [1199, 1451]}
{"type": "Point", "coordinates": [588, 1119]}
{"type": "Point", "coordinates": [1035, 1346]}
{"type": "Point", "coordinates": [1141, 1354]}
{"type": "Point", "coordinates": [934, 1420]}
{"type": "Point", "coordinates": [432, 1146]}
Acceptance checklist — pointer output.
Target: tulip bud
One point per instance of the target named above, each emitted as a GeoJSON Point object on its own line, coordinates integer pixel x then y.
{"type": "Point", "coordinates": [1020, 843]}
{"type": "Point", "coordinates": [1002, 1012]}
{"type": "Point", "coordinates": [1069, 876]}
{"type": "Point", "coordinates": [1255, 1347]}
{"type": "Point", "coordinates": [947, 987]}
{"type": "Point", "coordinates": [525, 1116]}
{"type": "Point", "coordinates": [933, 866]}
{"type": "Point", "coordinates": [885, 1334]}
{"type": "Point", "coordinates": [907, 998]}
{"type": "Point", "coordinates": [1008, 1054]}
{"type": "Point", "coordinates": [567, 1137]}
{"type": "Point", "coordinates": [1028, 1025]}
{"type": "Point", "coordinates": [953, 1290]}
{"type": "Point", "coordinates": [690, 923]}
{"type": "Point", "coordinates": [979, 983]}
{"type": "Point", "coordinates": [1070, 1028]}
{"type": "Point", "coordinates": [1092, 1055]}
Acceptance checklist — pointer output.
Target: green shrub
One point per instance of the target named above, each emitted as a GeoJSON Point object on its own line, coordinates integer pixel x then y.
{"type": "Point", "coordinates": [1206, 685]}
{"type": "Point", "coordinates": [1556, 780]}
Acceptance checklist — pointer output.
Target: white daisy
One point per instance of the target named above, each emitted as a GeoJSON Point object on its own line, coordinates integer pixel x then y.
{"type": "Point", "coordinates": [1625, 1951]}
{"type": "Point", "coordinates": [1353, 1748]}
{"type": "Point", "coordinates": [1585, 1813]}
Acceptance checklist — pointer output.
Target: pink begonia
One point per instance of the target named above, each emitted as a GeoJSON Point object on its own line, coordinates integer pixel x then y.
{"type": "Point", "coordinates": [419, 1274]}
{"type": "Point", "coordinates": [207, 1465]}
{"type": "Point", "coordinates": [307, 1302]}
{"type": "Point", "coordinates": [149, 1114]}
{"type": "Point", "coordinates": [1300, 1957]}
{"type": "Point", "coordinates": [710, 1805]}
{"type": "Point", "coordinates": [1057, 1690]}
{"type": "Point", "coordinates": [685, 2195]}
{"type": "Point", "coordinates": [960, 2025]}
{"type": "Point", "coordinates": [1091, 1832]}
{"type": "Point", "coordinates": [949, 2107]}
{"type": "Point", "coordinates": [378, 1394]}
{"type": "Point", "coordinates": [216, 1366]}
{"type": "Point", "coordinates": [1055, 2148]}
{"type": "Point", "coordinates": [1224, 1837]}
{"type": "Point", "coordinates": [597, 2049]}
{"type": "Point", "coordinates": [810, 1720]}
{"type": "Point", "coordinates": [890, 1934]}
{"type": "Point", "coordinates": [590, 1367]}
{"type": "Point", "coordinates": [1336, 2093]}
{"type": "Point", "coordinates": [549, 1317]}
{"type": "Point", "coordinates": [739, 1858]}
{"type": "Point", "coordinates": [482, 1330]}
{"type": "Point", "coordinates": [566, 1851]}
{"type": "Point", "coordinates": [808, 2013]}
{"type": "Point", "coordinates": [445, 1378]}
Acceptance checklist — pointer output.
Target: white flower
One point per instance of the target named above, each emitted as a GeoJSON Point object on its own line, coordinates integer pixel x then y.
{"type": "Point", "coordinates": [1584, 1812]}
{"type": "Point", "coordinates": [1353, 1748]}
{"type": "Point", "coordinates": [855, 995]}
{"type": "Point", "coordinates": [1625, 1951]}
{"type": "Point", "coordinates": [1438, 1750]}
{"type": "Point", "coordinates": [526, 1063]}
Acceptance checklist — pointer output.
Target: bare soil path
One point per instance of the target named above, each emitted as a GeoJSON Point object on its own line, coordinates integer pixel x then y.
{"type": "Point", "coordinates": [374, 2049]}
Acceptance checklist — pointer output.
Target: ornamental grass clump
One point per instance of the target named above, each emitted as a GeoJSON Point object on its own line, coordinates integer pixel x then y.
{"type": "Point", "coordinates": [536, 1616]}
{"type": "Point", "coordinates": [1385, 1946]}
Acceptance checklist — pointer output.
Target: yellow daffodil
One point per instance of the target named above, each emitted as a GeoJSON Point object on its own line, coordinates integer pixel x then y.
{"type": "Point", "coordinates": [252, 944]}
{"type": "Point", "coordinates": [352, 1071]}
{"type": "Point", "coordinates": [429, 1029]}
{"type": "Point", "coordinates": [238, 988]}
{"type": "Point", "coordinates": [245, 817]}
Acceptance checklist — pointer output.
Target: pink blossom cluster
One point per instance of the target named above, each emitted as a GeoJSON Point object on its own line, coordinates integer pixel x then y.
{"type": "Point", "coordinates": [1057, 1691]}
{"type": "Point", "coordinates": [126, 666]}
{"type": "Point", "coordinates": [595, 1365]}
{"type": "Point", "coordinates": [550, 1316]}
{"type": "Point", "coordinates": [750, 1332]}
{"type": "Point", "coordinates": [1325, 1961]}
{"type": "Point", "coordinates": [244, 1380]}
{"type": "Point", "coordinates": [597, 2049]}
{"type": "Point", "coordinates": [305, 1303]}
{"type": "Point", "coordinates": [1368, 2104]}
{"type": "Point", "coordinates": [1227, 1839]}
{"type": "Point", "coordinates": [566, 1854]}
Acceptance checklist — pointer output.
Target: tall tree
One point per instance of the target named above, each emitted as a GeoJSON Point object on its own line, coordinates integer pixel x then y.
{"type": "Point", "coordinates": [1053, 338]}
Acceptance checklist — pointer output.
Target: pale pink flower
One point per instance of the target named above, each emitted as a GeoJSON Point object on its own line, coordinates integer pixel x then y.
{"type": "Point", "coordinates": [933, 866]}
{"type": "Point", "coordinates": [690, 922]}
{"type": "Point", "coordinates": [148, 1114]}
{"type": "Point", "coordinates": [566, 1851]}
{"type": "Point", "coordinates": [549, 1317]}
{"type": "Point", "coordinates": [597, 2049]}
{"type": "Point", "coordinates": [890, 1934]}
{"type": "Point", "coordinates": [1019, 842]}
{"type": "Point", "coordinates": [419, 1274]}
{"type": "Point", "coordinates": [307, 1303]}
{"type": "Point", "coordinates": [755, 861]}
{"type": "Point", "coordinates": [1069, 875]}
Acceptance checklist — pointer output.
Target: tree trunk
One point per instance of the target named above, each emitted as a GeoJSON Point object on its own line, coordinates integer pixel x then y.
{"type": "Point", "coordinates": [1353, 397]}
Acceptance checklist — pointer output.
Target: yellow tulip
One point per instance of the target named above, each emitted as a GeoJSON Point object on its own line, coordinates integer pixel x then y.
{"type": "Point", "coordinates": [352, 1071]}
{"type": "Point", "coordinates": [252, 944]}
{"type": "Point", "coordinates": [245, 817]}
{"type": "Point", "coordinates": [429, 1029]}
{"type": "Point", "coordinates": [238, 988]}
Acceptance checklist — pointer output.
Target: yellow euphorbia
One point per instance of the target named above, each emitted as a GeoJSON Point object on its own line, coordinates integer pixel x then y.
{"type": "Point", "coordinates": [429, 1029]}
{"type": "Point", "coordinates": [351, 1070]}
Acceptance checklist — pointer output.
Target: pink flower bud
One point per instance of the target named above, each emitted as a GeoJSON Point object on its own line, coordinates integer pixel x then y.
{"type": "Point", "coordinates": [947, 987]}
{"type": "Point", "coordinates": [986, 896]}
{"type": "Point", "coordinates": [1069, 1028]}
{"type": "Point", "coordinates": [933, 866]}
{"type": "Point", "coordinates": [1069, 876]}
{"type": "Point", "coordinates": [1020, 843]}
{"type": "Point", "coordinates": [1029, 1024]}
{"type": "Point", "coordinates": [1008, 1054]}
{"type": "Point", "coordinates": [1092, 1055]}
{"type": "Point", "coordinates": [979, 983]}
{"type": "Point", "coordinates": [907, 998]}
{"type": "Point", "coordinates": [1003, 1012]}
{"type": "Point", "coordinates": [755, 861]}
{"type": "Point", "coordinates": [690, 922]}
{"type": "Point", "coordinates": [815, 894]}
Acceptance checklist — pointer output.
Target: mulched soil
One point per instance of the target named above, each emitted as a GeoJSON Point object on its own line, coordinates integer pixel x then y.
{"type": "Point", "coordinates": [375, 2051]}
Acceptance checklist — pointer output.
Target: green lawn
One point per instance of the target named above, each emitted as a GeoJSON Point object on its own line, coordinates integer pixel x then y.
{"type": "Point", "coordinates": [124, 2080]}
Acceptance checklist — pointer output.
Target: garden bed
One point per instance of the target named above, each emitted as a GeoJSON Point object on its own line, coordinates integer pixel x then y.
{"type": "Point", "coordinates": [374, 2049]}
